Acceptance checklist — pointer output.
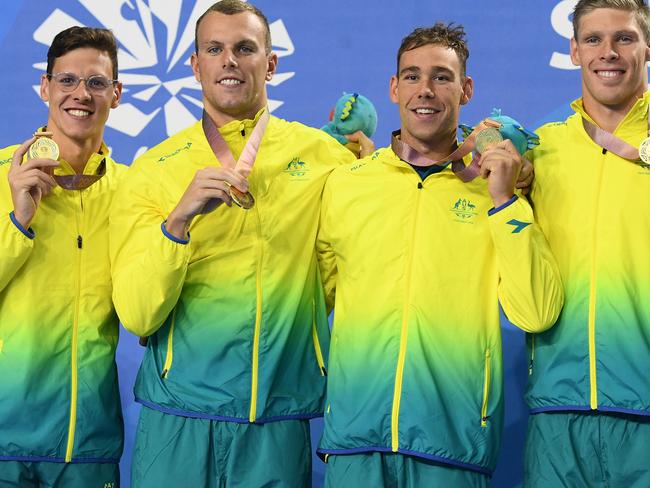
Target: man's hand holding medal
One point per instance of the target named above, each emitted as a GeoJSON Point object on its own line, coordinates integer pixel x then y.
{"type": "Point", "coordinates": [31, 181]}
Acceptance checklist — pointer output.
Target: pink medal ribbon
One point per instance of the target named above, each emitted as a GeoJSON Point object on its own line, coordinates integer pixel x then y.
{"type": "Point", "coordinates": [465, 173]}
{"type": "Point", "coordinates": [244, 165]}
{"type": "Point", "coordinates": [612, 143]}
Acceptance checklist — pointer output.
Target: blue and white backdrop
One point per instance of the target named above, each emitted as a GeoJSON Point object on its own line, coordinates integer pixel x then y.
{"type": "Point", "coordinates": [519, 61]}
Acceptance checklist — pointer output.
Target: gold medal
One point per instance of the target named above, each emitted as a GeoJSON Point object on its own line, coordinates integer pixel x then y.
{"type": "Point", "coordinates": [43, 148]}
{"type": "Point", "coordinates": [244, 200]}
{"type": "Point", "coordinates": [487, 138]}
{"type": "Point", "coordinates": [644, 151]}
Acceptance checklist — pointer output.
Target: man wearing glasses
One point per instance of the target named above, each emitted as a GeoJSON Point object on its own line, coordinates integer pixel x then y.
{"type": "Point", "coordinates": [60, 416]}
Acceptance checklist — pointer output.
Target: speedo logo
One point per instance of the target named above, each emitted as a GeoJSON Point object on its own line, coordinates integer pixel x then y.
{"type": "Point", "coordinates": [162, 159]}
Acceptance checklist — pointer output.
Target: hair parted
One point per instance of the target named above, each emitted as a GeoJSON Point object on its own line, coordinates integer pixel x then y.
{"type": "Point", "coordinates": [449, 35]}
{"type": "Point", "coordinates": [637, 7]}
{"type": "Point", "coordinates": [78, 37]}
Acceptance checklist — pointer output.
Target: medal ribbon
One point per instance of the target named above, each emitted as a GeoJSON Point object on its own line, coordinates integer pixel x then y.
{"type": "Point", "coordinates": [612, 143]}
{"type": "Point", "coordinates": [80, 182]}
{"type": "Point", "coordinates": [244, 164]}
{"type": "Point", "coordinates": [465, 173]}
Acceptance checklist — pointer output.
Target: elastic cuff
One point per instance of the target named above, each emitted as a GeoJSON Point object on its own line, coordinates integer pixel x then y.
{"type": "Point", "coordinates": [28, 232]}
{"type": "Point", "coordinates": [173, 238]}
{"type": "Point", "coordinates": [512, 200]}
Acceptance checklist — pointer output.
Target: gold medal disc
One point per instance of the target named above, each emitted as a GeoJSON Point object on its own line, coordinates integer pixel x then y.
{"type": "Point", "coordinates": [487, 138]}
{"type": "Point", "coordinates": [43, 148]}
{"type": "Point", "coordinates": [244, 200]}
{"type": "Point", "coordinates": [644, 151]}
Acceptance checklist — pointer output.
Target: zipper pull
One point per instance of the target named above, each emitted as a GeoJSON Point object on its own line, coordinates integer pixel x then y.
{"type": "Point", "coordinates": [79, 242]}
{"type": "Point", "coordinates": [530, 368]}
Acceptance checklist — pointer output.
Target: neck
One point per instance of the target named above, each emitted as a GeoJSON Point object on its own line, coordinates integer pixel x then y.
{"type": "Point", "coordinates": [608, 117]}
{"type": "Point", "coordinates": [76, 153]}
{"type": "Point", "coordinates": [434, 149]}
{"type": "Point", "coordinates": [221, 118]}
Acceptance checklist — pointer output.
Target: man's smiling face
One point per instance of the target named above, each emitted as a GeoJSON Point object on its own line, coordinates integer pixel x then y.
{"type": "Point", "coordinates": [232, 64]}
{"type": "Point", "coordinates": [612, 53]}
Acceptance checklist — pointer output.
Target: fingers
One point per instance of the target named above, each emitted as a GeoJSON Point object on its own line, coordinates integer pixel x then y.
{"type": "Point", "coordinates": [366, 145]}
{"type": "Point", "coordinates": [354, 147]}
{"type": "Point", "coordinates": [21, 151]}
{"type": "Point", "coordinates": [508, 146]}
{"type": "Point", "coordinates": [39, 164]}
{"type": "Point", "coordinates": [526, 174]}
{"type": "Point", "coordinates": [526, 177]}
{"type": "Point", "coordinates": [224, 175]}
{"type": "Point", "coordinates": [36, 179]}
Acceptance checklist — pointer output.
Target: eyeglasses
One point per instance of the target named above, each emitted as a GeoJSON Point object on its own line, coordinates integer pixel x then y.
{"type": "Point", "coordinates": [68, 82]}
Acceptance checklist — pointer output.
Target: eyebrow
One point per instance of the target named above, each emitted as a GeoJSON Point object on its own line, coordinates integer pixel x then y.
{"type": "Point", "coordinates": [625, 32]}
{"type": "Point", "coordinates": [417, 70]}
{"type": "Point", "coordinates": [214, 42]}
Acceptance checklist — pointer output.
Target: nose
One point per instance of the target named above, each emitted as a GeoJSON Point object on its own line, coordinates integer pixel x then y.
{"type": "Point", "coordinates": [229, 59]}
{"type": "Point", "coordinates": [608, 51]}
{"type": "Point", "coordinates": [426, 91]}
{"type": "Point", "coordinates": [82, 92]}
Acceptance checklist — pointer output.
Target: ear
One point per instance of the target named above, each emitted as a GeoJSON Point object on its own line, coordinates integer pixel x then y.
{"type": "Point", "coordinates": [117, 94]}
{"type": "Point", "coordinates": [575, 57]}
{"type": "Point", "coordinates": [45, 87]}
{"type": "Point", "coordinates": [194, 61]}
{"type": "Point", "coordinates": [393, 89]}
{"type": "Point", "coordinates": [468, 90]}
{"type": "Point", "coordinates": [272, 66]}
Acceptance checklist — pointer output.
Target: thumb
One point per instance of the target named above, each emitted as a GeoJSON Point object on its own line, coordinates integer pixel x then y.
{"type": "Point", "coordinates": [20, 152]}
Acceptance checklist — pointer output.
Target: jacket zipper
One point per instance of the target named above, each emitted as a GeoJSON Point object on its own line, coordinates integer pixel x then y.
{"type": "Point", "coordinates": [593, 397]}
{"type": "Point", "coordinates": [75, 332]}
{"type": "Point", "coordinates": [399, 373]}
{"type": "Point", "coordinates": [486, 389]}
{"type": "Point", "coordinates": [258, 320]}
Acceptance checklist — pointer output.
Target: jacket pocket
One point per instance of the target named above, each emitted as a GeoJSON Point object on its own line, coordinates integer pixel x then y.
{"type": "Point", "coordinates": [317, 349]}
{"type": "Point", "coordinates": [486, 389]}
{"type": "Point", "coordinates": [169, 356]}
{"type": "Point", "coordinates": [532, 355]}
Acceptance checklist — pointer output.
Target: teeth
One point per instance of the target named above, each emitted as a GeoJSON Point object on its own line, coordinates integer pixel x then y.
{"type": "Point", "coordinates": [609, 74]}
{"type": "Point", "coordinates": [230, 81]}
{"type": "Point", "coordinates": [425, 111]}
{"type": "Point", "coordinates": [79, 113]}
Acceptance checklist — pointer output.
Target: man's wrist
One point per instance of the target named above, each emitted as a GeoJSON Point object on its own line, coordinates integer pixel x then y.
{"type": "Point", "coordinates": [176, 226]}
{"type": "Point", "coordinates": [501, 200]}
{"type": "Point", "coordinates": [21, 219]}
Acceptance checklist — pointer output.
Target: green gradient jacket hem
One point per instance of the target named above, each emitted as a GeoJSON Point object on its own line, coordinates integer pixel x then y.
{"type": "Point", "coordinates": [417, 270]}
{"type": "Point", "coordinates": [59, 396]}
{"type": "Point", "coordinates": [590, 204]}
{"type": "Point", "coordinates": [235, 317]}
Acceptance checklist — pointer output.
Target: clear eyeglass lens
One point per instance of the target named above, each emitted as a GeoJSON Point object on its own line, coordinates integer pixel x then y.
{"type": "Point", "coordinates": [70, 81]}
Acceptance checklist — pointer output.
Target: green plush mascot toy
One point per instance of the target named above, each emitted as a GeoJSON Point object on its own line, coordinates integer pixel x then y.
{"type": "Point", "coordinates": [509, 128]}
{"type": "Point", "coordinates": [352, 113]}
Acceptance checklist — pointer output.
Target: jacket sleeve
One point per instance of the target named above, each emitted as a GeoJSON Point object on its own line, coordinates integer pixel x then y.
{"type": "Point", "coordinates": [324, 250]}
{"type": "Point", "coordinates": [148, 267]}
{"type": "Point", "coordinates": [530, 288]}
{"type": "Point", "coordinates": [16, 242]}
